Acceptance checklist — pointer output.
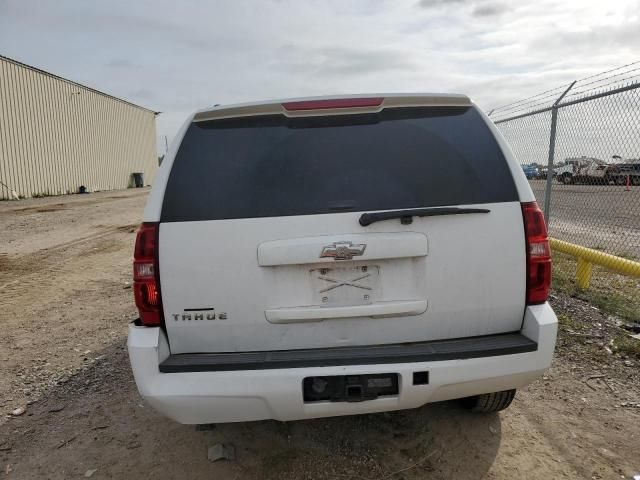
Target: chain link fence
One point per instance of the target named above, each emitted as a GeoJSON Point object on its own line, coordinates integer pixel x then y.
{"type": "Point", "coordinates": [579, 146]}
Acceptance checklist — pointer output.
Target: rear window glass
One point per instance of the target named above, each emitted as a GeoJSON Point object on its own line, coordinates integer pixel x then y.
{"type": "Point", "coordinates": [277, 166]}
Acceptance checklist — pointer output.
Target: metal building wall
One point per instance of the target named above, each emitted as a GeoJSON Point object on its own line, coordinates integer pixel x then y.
{"type": "Point", "coordinates": [56, 135]}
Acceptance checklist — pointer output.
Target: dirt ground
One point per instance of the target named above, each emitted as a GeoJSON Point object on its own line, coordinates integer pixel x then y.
{"type": "Point", "coordinates": [65, 303]}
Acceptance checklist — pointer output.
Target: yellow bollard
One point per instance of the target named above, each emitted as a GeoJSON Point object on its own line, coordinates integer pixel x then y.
{"type": "Point", "coordinates": [583, 273]}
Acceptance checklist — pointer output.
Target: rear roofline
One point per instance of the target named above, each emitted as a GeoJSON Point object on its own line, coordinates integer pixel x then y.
{"type": "Point", "coordinates": [277, 107]}
{"type": "Point", "coordinates": [153, 208]}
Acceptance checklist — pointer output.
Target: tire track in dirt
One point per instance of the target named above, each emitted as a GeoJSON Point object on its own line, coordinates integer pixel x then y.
{"type": "Point", "coordinates": [62, 301]}
{"type": "Point", "coordinates": [63, 287]}
{"type": "Point", "coordinates": [70, 202]}
{"type": "Point", "coordinates": [24, 272]}
{"type": "Point", "coordinates": [576, 432]}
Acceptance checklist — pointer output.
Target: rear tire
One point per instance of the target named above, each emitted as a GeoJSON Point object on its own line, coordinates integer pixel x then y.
{"type": "Point", "coordinates": [489, 402]}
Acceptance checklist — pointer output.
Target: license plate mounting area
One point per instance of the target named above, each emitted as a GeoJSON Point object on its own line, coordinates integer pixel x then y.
{"type": "Point", "coordinates": [345, 286]}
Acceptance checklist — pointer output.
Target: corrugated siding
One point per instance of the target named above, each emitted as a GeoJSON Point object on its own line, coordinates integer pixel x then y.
{"type": "Point", "coordinates": [56, 135]}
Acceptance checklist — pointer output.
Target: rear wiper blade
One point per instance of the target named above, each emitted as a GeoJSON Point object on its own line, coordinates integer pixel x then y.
{"type": "Point", "coordinates": [406, 216]}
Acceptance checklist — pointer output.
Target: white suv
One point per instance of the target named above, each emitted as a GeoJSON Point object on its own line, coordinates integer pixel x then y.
{"type": "Point", "coordinates": [337, 256]}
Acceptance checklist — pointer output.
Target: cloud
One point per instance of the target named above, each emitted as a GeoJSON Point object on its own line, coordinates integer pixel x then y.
{"type": "Point", "coordinates": [487, 9]}
{"type": "Point", "coordinates": [343, 61]}
{"type": "Point", "coordinates": [120, 63]}
{"type": "Point", "coordinates": [176, 57]}
{"type": "Point", "coordinates": [481, 8]}
{"type": "Point", "coordinates": [143, 94]}
{"type": "Point", "coordinates": [436, 3]}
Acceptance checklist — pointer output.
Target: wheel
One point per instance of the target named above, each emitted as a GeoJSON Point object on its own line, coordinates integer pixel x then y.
{"type": "Point", "coordinates": [635, 181]}
{"type": "Point", "coordinates": [489, 402]}
{"type": "Point", "coordinates": [566, 179]}
{"type": "Point", "coordinates": [620, 180]}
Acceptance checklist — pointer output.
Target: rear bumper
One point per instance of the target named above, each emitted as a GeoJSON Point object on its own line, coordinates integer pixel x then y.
{"type": "Point", "coordinates": [416, 352]}
{"type": "Point", "coordinates": [276, 393]}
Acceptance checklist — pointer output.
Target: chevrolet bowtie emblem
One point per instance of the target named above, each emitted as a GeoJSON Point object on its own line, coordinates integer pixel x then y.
{"type": "Point", "coordinates": [343, 250]}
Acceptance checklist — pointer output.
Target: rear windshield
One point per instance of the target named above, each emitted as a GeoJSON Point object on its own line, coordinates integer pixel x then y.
{"type": "Point", "coordinates": [277, 166]}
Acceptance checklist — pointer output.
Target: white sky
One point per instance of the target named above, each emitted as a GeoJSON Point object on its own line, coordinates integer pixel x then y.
{"type": "Point", "coordinates": [177, 56]}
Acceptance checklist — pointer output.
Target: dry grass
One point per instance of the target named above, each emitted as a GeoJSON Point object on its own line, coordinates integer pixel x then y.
{"type": "Point", "coordinates": [611, 292]}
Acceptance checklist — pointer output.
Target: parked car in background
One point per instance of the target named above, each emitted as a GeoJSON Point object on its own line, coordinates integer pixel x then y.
{"type": "Point", "coordinates": [586, 170]}
{"type": "Point", "coordinates": [629, 171]}
{"type": "Point", "coordinates": [530, 171]}
{"type": "Point", "coordinates": [542, 173]}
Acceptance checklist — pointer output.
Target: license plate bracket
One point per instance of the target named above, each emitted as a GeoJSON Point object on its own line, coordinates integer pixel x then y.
{"type": "Point", "coordinates": [345, 286]}
{"type": "Point", "coordinates": [349, 388]}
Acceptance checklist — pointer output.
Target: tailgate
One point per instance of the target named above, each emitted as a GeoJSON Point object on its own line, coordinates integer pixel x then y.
{"type": "Point", "coordinates": [445, 277]}
{"type": "Point", "coordinates": [261, 246]}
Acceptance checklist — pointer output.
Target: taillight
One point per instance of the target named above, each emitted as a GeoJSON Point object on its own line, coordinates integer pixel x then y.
{"type": "Point", "coordinates": [146, 283]}
{"type": "Point", "coordinates": [538, 254]}
{"type": "Point", "coordinates": [333, 103]}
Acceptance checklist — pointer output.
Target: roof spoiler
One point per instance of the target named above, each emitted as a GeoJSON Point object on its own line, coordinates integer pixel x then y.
{"type": "Point", "coordinates": [339, 105]}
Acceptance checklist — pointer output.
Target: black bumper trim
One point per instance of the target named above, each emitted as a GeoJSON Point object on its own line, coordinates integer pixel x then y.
{"type": "Point", "coordinates": [433, 351]}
